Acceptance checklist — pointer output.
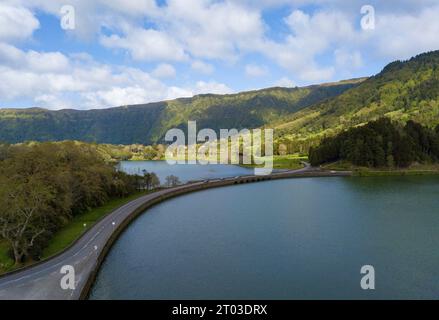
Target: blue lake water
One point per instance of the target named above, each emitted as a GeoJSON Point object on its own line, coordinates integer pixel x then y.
{"type": "Point", "coordinates": [289, 239]}
{"type": "Point", "coordinates": [185, 172]}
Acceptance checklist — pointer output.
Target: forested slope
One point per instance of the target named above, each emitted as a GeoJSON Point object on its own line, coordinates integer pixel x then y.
{"type": "Point", "coordinates": [147, 124]}
{"type": "Point", "coordinates": [403, 91]}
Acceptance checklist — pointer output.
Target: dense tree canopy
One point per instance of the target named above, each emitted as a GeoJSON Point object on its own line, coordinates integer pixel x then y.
{"type": "Point", "coordinates": [380, 143]}
{"type": "Point", "coordinates": [42, 186]}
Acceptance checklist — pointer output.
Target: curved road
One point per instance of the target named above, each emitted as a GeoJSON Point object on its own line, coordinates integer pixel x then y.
{"type": "Point", "coordinates": [42, 281]}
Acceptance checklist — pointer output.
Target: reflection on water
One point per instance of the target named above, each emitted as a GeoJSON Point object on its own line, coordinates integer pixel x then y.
{"type": "Point", "coordinates": [289, 239]}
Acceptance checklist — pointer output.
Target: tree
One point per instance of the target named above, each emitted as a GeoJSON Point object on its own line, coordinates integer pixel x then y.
{"type": "Point", "coordinates": [24, 212]}
{"type": "Point", "coordinates": [172, 181]}
{"type": "Point", "coordinates": [4, 148]}
{"type": "Point", "coordinates": [155, 181]}
{"type": "Point", "coordinates": [151, 180]}
{"type": "Point", "coordinates": [42, 185]}
{"type": "Point", "coordinates": [378, 144]}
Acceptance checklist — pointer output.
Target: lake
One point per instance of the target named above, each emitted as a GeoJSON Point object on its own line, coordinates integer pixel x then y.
{"type": "Point", "coordinates": [184, 172]}
{"type": "Point", "coordinates": [289, 239]}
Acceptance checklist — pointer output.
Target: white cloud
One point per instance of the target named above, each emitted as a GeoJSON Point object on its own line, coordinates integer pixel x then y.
{"type": "Point", "coordinates": [82, 83]}
{"type": "Point", "coordinates": [401, 32]}
{"type": "Point", "coordinates": [317, 45]}
{"type": "Point", "coordinates": [118, 96]}
{"type": "Point", "coordinates": [403, 35]}
{"type": "Point", "coordinates": [150, 45]}
{"type": "Point", "coordinates": [315, 33]}
{"type": "Point", "coordinates": [16, 23]}
{"type": "Point", "coordinates": [132, 7]}
{"type": "Point", "coordinates": [52, 101]}
{"type": "Point", "coordinates": [315, 75]}
{"type": "Point", "coordinates": [255, 70]}
{"type": "Point", "coordinates": [348, 60]}
{"type": "Point", "coordinates": [201, 87]}
{"type": "Point", "coordinates": [300, 64]}
{"type": "Point", "coordinates": [202, 67]}
{"type": "Point", "coordinates": [176, 92]}
{"type": "Point", "coordinates": [211, 87]}
{"type": "Point", "coordinates": [311, 35]}
{"type": "Point", "coordinates": [47, 62]}
{"type": "Point", "coordinates": [164, 70]}
{"type": "Point", "coordinates": [212, 29]}
{"type": "Point", "coordinates": [199, 28]}
{"type": "Point", "coordinates": [285, 82]}
{"type": "Point", "coordinates": [30, 75]}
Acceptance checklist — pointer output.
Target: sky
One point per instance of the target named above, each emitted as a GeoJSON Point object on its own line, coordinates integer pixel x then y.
{"type": "Point", "coordinates": [86, 54]}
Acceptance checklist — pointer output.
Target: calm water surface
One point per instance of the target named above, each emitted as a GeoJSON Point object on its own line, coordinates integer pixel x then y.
{"type": "Point", "coordinates": [184, 172]}
{"type": "Point", "coordinates": [289, 239]}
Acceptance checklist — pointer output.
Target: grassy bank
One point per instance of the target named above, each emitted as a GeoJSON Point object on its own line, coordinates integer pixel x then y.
{"type": "Point", "coordinates": [69, 233]}
{"type": "Point", "coordinates": [286, 162]}
{"type": "Point", "coordinates": [414, 170]}
{"type": "Point", "coordinates": [6, 262]}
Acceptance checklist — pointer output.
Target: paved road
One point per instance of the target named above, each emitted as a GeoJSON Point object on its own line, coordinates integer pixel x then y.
{"type": "Point", "coordinates": [42, 281]}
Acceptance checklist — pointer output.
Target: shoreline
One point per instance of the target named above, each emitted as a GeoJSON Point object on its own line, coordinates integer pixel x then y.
{"type": "Point", "coordinates": [285, 174]}
{"type": "Point", "coordinates": [395, 173]}
{"type": "Point", "coordinates": [23, 283]}
{"type": "Point", "coordinates": [356, 171]}
{"type": "Point", "coordinates": [103, 235]}
{"type": "Point", "coordinates": [41, 280]}
{"type": "Point", "coordinates": [218, 183]}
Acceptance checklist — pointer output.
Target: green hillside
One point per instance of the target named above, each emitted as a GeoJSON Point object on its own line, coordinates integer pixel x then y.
{"type": "Point", "coordinates": [380, 144]}
{"type": "Point", "coordinates": [403, 91]}
{"type": "Point", "coordinates": [148, 123]}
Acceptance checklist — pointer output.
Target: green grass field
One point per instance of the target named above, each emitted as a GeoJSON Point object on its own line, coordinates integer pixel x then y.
{"type": "Point", "coordinates": [69, 233]}
{"type": "Point", "coordinates": [6, 262]}
{"type": "Point", "coordinates": [80, 224]}
{"type": "Point", "coordinates": [290, 162]}
{"type": "Point", "coordinates": [286, 162]}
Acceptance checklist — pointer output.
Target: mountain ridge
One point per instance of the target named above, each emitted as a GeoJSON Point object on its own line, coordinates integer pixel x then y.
{"type": "Point", "coordinates": [201, 95]}
{"type": "Point", "coordinates": [147, 123]}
